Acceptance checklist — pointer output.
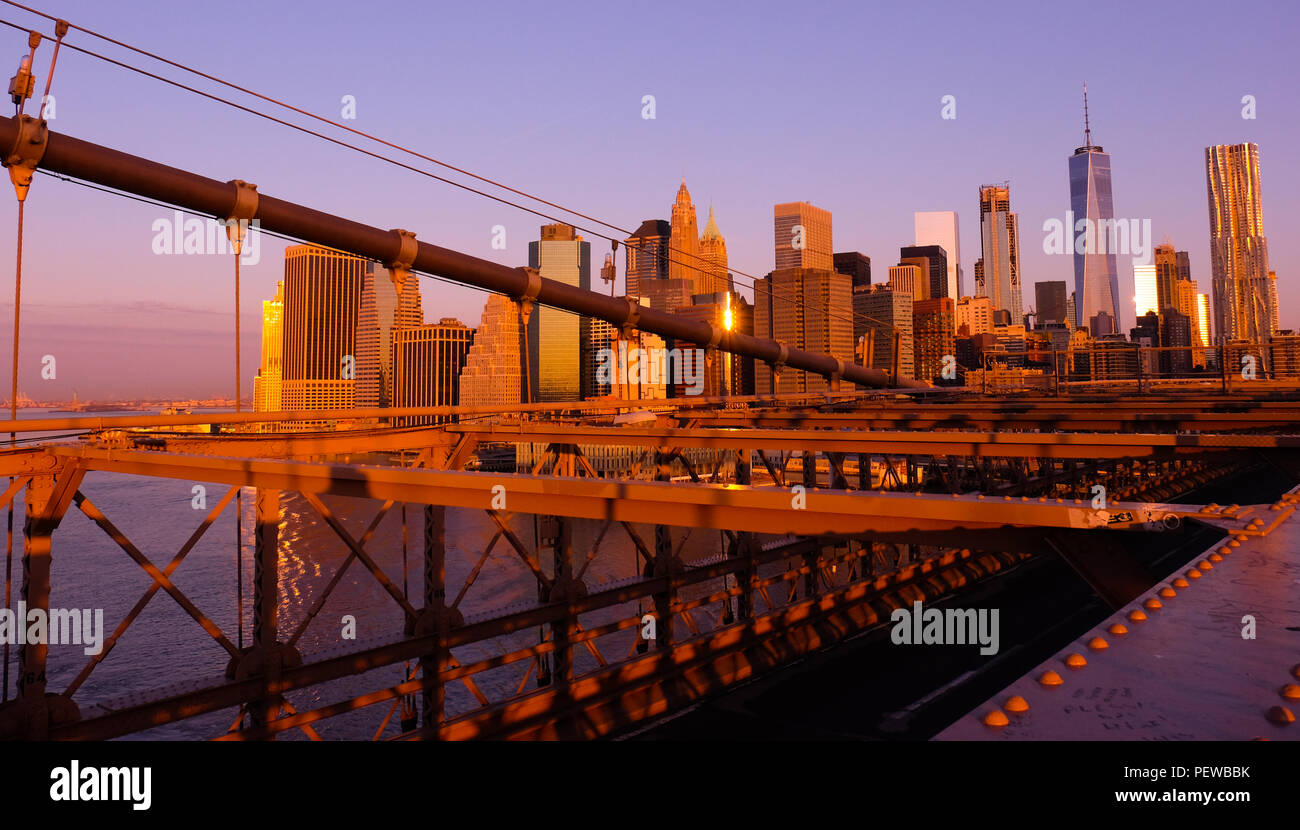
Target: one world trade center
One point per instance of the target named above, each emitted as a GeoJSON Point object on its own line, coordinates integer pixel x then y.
{"type": "Point", "coordinates": [1096, 279]}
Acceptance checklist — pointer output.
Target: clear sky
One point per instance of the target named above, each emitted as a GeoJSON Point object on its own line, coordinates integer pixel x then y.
{"type": "Point", "coordinates": [838, 104]}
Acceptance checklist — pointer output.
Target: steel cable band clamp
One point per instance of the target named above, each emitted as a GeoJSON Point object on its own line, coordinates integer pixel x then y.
{"type": "Point", "coordinates": [633, 317]}
{"type": "Point", "coordinates": [715, 337]}
{"type": "Point", "coordinates": [28, 150]}
{"type": "Point", "coordinates": [779, 364]}
{"type": "Point", "coordinates": [242, 214]}
{"type": "Point", "coordinates": [399, 270]}
{"type": "Point", "coordinates": [531, 290]}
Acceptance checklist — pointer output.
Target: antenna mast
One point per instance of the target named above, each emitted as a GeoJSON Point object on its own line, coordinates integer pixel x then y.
{"type": "Point", "coordinates": [1087, 130]}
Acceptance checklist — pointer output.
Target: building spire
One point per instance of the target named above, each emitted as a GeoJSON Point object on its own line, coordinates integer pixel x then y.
{"type": "Point", "coordinates": [1087, 129]}
{"type": "Point", "coordinates": [711, 228]}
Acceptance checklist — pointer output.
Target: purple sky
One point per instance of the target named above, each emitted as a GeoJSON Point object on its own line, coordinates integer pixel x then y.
{"type": "Point", "coordinates": [757, 103]}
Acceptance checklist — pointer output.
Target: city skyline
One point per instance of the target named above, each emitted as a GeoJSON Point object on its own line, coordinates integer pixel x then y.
{"type": "Point", "coordinates": [122, 312]}
{"type": "Point", "coordinates": [579, 412]}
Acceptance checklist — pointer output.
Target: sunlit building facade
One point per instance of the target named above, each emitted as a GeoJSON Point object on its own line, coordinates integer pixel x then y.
{"type": "Point", "coordinates": [1245, 295]}
{"type": "Point", "coordinates": [932, 336]}
{"type": "Point", "coordinates": [1145, 293]}
{"type": "Point", "coordinates": [939, 227]}
{"type": "Point", "coordinates": [270, 373]}
{"type": "Point", "coordinates": [973, 315]}
{"type": "Point", "coordinates": [802, 236]}
{"type": "Point", "coordinates": [379, 316]}
{"type": "Point", "coordinates": [555, 336]}
{"type": "Point", "coordinates": [646, 257]}
{"type": "Point", "coordinates": [322, 298]}
{"type": "Point", "coordinates": [909, 278]}
{"type": "Point", "coordinates": [997, 274]}
{"type": "Point", "coordinates": [882, 311]}
{"type": "Point", "coordinates": [807, 308]}
{"type": "Point", "coordinates": [713, 252]}
{"type": "Point", "coordinates": [1096, 275]}
{"type": "Point", "coordinates": [493, 373]}
{"type": "Point", "coordinates": [685, 262]}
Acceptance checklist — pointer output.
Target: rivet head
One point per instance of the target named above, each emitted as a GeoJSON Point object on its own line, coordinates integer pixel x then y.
{"type": "Point", "coordinates": [1050, 678]}
{"type": "Point", "coordinates": [1017, 704]}
{"type": "Point", "coordinates": [1214, 557]}
{"type": "Point", "coordinates": [1205, 565]}
{"type": "Point", "coordinates": [996, 718]}
{"type": "Point", "coordinates": [1137, 615]}
{"type": "Point", "coordinates": [1168, 593]}
{"type": "Point", "coordinates": [1076, 661]}
{"type": "Point", "coordinates": [1181, 583]}
{"type": "Point", "coordinates": [1153, 604]}
{"type": "Point", "coordinates": [1280, 715]}
{"type": "Point", "coordinates": [1290, 691]}
{"type": "Point", "coordinates": [1117, 630]}
{"type": "Point", "coordinates": [1098, 644]}
{"type": "Point", "coordinates": [1193, 574]}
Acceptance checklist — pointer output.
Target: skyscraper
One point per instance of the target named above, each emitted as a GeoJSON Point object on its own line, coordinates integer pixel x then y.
{"type": "Point", "coordinates": [493, 372]}
{"type": "Point", "coordinates": [932, 336]}
{"type": "Point", "coordinates": [555, 336]}
{"type": "Point", "coordinates": [885, 311]}
{"type": "Point", "coordinates": [1096, 277]}
{"type": "Point", "coordinates": [685, 262]}
{"type": "Point", "coordinates": [427, 360]}
{"type": "Point", "coordinates": [1144, 289]}
{"type": "Point", "coordinates": [1203, 319]}
{"type": "Point", "coordinates": [322, 297]}
{"type": "Point", "coordinates": [856, 265]}
{"type": "Point", "coordinates": [997, 274]}
{"type": "Point", "coordinates": [378, 317]}
{"type": "Point", "coordinates": [266, 384]}
{"type": "Point", "coordinates": [934, 263]}
{"type": "Point", "coordinates": [1244, 295]}
{"type": "Point", "coordinates": [1050, 301]}
{"type": "Point", "coordinates": [939, 227]}
{"type": "Point", "coordinates": [727, 374]}
{"type": "Point", "coordinates": [1166, 266]}
{"type": "Point", "coordinates": [807, 308]}
{"type": "Point", "coordinates": [713, 250]}
{"type": "Point", "coordinates": [909, 278]}
{"type": "Point", "coordinates": [972, 316]}
{"type": "Point", "coordinates": [802, 236]}
{"type": "Point", "coordinates": [646, 253]}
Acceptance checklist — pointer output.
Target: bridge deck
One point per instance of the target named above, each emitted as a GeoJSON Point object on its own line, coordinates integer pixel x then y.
{"type": "Point", "coordinates": [1186, 672]}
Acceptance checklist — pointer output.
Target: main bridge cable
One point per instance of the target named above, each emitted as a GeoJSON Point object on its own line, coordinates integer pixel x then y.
{"type": "Point", "coordinates": [113, 168]}
{"type": "Point", "coordinates": [754, 281]}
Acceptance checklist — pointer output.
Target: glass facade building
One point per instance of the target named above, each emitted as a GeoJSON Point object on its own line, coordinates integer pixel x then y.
{"type": "Point", "coordinates": [555, 336]}
{"type": "Point", "coordinates": [1096, 277]}
{"type": "Point", "coordinates": [997, 274]}
{"type": "Point", "coordinates": [1245, 300]}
